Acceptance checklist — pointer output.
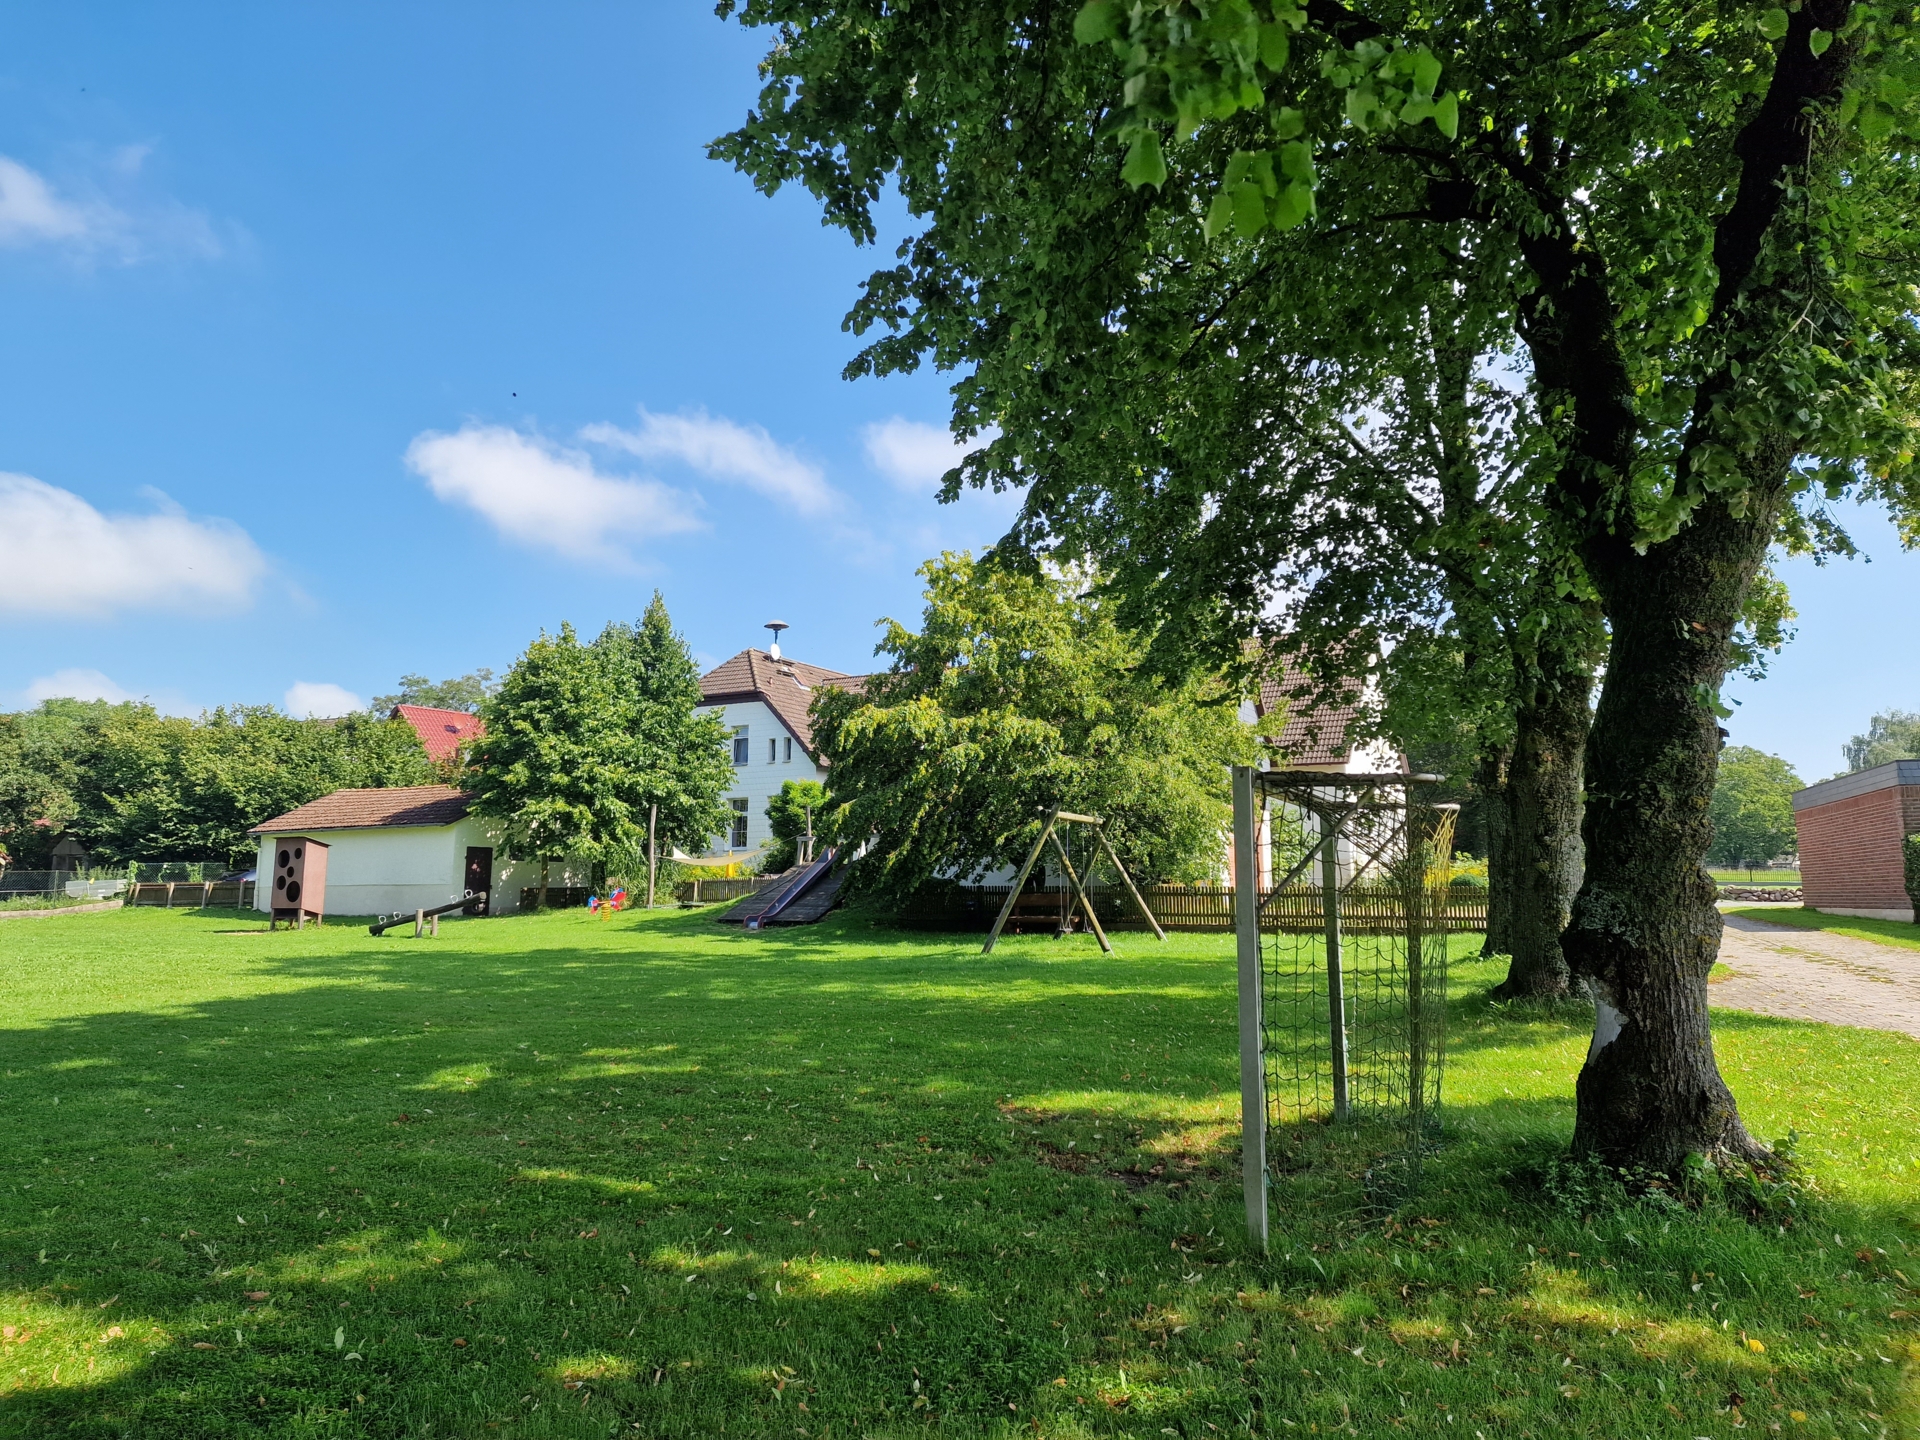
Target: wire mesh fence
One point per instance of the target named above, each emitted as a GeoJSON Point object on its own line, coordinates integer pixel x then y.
{"type": "Point", "coordinates": [1350, 994]}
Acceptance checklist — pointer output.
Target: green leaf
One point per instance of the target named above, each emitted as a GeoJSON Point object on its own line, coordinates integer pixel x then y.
{"type": "Point", "coordinates": [1426, 73]}
{"type": "Point", "coordinates": [1219, 214]}
{"type": "Point", "coordinates": [1414, 111]}
{"type": "Point", "coordinates": [1360, 104]}
{"type": "Point", "coordinates": [1249, 210]}
{"type": "Point", "coordinates": [1145, 164]}
{"type": "Point", "coordinates": [1773, 23]}
{"type": "Point", "coordinates": [1098, 20]}
{"type": "Point", "coordinates": [1291, 206]}
{"type": "Point", "coordinates": [1296, 163]}
{"type": "Point", "coordinates": [1446, 115]}
{"type": "Point", "coordinates": [1287, 123]}
{"type": "Point", "coordinates": [1274, 46]}
{"type": "Point", "coordinates": [1819, 40]}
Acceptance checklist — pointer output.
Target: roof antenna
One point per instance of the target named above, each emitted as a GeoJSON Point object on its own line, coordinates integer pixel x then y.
{"type": "Point", "coordinates": [776, 626]}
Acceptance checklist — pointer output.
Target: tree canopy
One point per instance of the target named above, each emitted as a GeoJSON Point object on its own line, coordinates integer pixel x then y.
{"type": "Point", "coordinates": [1892, 736]}
{"type": "Point", "coordinates": [1752, 808]}
{"type": "Point", "coordinates": [1689, 228]}
{"type": "Point", "coordinates": [1020, 692]}
{"type": "Point", "coordinates": [132, 784]}
{"type": "Point", "coordinates": [464, 692]}
{"type": "Point", "coordinates": [581, 739]}
{"type": "Point", "coordinates": [799, 803]}
{"type": "Point", "coordinates": [680, 761]}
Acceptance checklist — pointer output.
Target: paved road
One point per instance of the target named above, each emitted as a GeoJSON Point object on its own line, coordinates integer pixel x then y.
{"type": "Point", "coordinates": [1811, 975]}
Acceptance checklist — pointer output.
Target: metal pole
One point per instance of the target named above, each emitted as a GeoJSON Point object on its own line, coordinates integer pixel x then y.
{"type": "Point", "coordinates": [1253, 1063]}
{"type": "Point", "coordinates": [1336, 979]}
{"type": "Point", "coordinates": [653, 855]}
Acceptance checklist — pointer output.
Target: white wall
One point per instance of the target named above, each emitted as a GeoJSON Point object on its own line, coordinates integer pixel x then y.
{"type": "Point", "coordinates": [759, 780]}
{"type": "Point", "coordinates": [393, 869]}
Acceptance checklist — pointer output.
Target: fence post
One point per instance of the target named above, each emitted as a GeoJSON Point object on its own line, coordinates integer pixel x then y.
{"type": "Point", "coordinates": [1336, 976]}
{"type": "Point", "coordinates": [1253, 1063]}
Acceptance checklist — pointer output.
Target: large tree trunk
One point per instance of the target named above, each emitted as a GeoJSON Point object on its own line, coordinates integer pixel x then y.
{"type": "Point", "coordinates": [1645, 928]}
{"type": "Point", "coordinates": [1542, 819]}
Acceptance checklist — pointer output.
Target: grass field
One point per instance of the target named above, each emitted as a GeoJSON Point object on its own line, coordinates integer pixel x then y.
{"type": "Point", "coordinates": [1887, 932]}
{"type": "Point", "coordinates": [1756, 877]}
{"type": "Point", "coordinates": [552, 1176]}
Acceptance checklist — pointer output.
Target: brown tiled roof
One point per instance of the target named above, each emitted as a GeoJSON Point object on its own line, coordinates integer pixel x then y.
{"type": "Point", "coordinates": [441, 731]}
{"type": "Point", "coordinates": [1311, 734]}
{"type": "Point", "coordinates": [373, 809]}
{"type": "Point", "coordinates": [784, 686]}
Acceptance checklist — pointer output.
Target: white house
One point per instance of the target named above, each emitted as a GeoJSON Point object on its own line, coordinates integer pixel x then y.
{"type": "Point", "coordinates": [763, 698]}
{"type": "Point", "coordinates": [404, 849]}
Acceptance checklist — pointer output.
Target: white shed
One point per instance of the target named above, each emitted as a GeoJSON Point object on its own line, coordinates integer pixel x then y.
{"type": "Point", "coordinates": [408, 848]}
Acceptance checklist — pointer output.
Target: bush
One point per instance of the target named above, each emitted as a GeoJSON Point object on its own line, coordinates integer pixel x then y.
{"type": "Point", "coordinates": [1910, 852]}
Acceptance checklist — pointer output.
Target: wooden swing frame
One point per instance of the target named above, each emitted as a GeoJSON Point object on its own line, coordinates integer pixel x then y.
{"type": "Point", "coordinates": [1050, 830]}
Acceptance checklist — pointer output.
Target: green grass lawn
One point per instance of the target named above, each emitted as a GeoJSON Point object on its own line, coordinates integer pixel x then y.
{"type": "Point", "coordinates": [1887, 932]}
{"type": "Point", "coordinates": [553, 1176]}
{"type": "Point", "coordinates": [1756, 877]}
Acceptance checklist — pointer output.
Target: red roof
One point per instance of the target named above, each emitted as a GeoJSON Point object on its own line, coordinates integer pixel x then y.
{"type": "Point", "coordinates": [784, 686]}
{"type": "Point", "coordinates": [1312, 735]}
{"type": "Point", "coordinates": [441, 731]}
{"type": "Point", "coordinates": [402, 805]}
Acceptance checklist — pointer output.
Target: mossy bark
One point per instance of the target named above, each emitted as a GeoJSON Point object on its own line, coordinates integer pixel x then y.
{"type": "Point", "coordinates": [1645, 929]}
{"type": "Point", "coordinates": [1542, 809]}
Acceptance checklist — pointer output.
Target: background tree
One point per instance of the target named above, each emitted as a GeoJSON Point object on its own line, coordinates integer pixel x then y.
{"type": "Point", "coordinates": [1892, 736]}
{"type": "Point", "coordinates": [165, 787]}
{"type": "Point", "coordinates": [1752, 808]}
{"type": "Point", "coordinates": [1018, 693]}
{"type": "Point", "coordinates": [1613, 180]}
{"type": "Point", "coordinates": [678, 759]}
{"type": "Point", "coordinates": [465, 692]}
{"type": "Point", "coordinates": [558, 768]}
{"type": "Point", "coordinates": [132, 784]}
{"type": "Point", "coordinates": [799, 805]}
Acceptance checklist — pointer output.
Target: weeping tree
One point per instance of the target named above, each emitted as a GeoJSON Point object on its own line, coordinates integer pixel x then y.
{"type": "Point", "coordinates": [1020, 693]}
{"type": "Point", "coordinates": [1693, 223]}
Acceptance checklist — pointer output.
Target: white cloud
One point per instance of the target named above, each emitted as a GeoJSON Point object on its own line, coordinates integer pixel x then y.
{"type": "Point", "coordinates": [722, 450]}
{"type": "Point", "coordinates": [310, 699]}
{"type": "Point", "coordinates": [30, 211]}
{"type": "Point", "coordinates": [75, 685]}
{"type": "Point", "coordinates": [63, 557]}
{"type": "Point", "coordinates": [545, 495]}
{"type": "Point", "coordinates": [914, 455]}
{"type": "Point", "coordinates": [34, 212]}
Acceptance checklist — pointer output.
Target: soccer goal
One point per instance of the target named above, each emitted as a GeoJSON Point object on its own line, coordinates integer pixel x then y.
{"type": "Point", "coordinates": [1340, 912]}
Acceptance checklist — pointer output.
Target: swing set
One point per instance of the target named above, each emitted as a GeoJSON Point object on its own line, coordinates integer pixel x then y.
{"type": "Point", "coordinates": [1050, 830]}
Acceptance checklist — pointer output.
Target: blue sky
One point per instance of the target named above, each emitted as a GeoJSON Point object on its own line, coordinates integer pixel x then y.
{"type": "Point", "coordinates": [347, 341]}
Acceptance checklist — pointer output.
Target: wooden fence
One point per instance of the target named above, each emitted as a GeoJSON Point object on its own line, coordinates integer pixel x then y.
{"type": "Point", "coordinates": [709, 892]}
{"type": "Point", "coordinates": [1363, 910]}
{"type": "Point", "coordinates": [193, 894]}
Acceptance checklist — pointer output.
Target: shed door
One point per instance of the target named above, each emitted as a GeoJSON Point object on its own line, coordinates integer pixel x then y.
{"type": "Point", "coordinates": [479, 871]}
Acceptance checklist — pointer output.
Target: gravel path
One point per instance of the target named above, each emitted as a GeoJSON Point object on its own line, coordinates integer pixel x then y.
{"type": "Point", "coordinates": [1811, 975]}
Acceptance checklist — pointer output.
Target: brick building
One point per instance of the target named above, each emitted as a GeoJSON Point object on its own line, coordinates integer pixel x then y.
{"type": "Point", "coordinates": [1850, 831]}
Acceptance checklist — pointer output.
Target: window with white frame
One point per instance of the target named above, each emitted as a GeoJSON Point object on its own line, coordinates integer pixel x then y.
{"type": "Point", "coordinates": [739, 744]}
{"type": "Point", "coordinates": [773, 749]}
{"type": "Point", "coordinates": [739, 837]}
{"type": "Point", "coordinates": [787, 746]}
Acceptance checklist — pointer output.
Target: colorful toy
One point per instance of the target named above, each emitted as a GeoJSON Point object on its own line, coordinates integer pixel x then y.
{"type": "Point", "coordinates": [605, 907]}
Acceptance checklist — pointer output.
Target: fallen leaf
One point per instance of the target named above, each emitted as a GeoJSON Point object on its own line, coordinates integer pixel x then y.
{"type": "Point", "coordinates": [257, 1294]}
{"type": "Point", "coordinates": [114, 1332]}
{"type": "Point", "coordinates": [204, 1345]}
{"type": "Point", "coordinates": [874, 1253]}
{"type": "Point", "coordinates": [461, 1343]}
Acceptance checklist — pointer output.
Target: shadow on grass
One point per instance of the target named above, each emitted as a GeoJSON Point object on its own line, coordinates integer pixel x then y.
{"type": "Point", "coordinates": [556, 1176]}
